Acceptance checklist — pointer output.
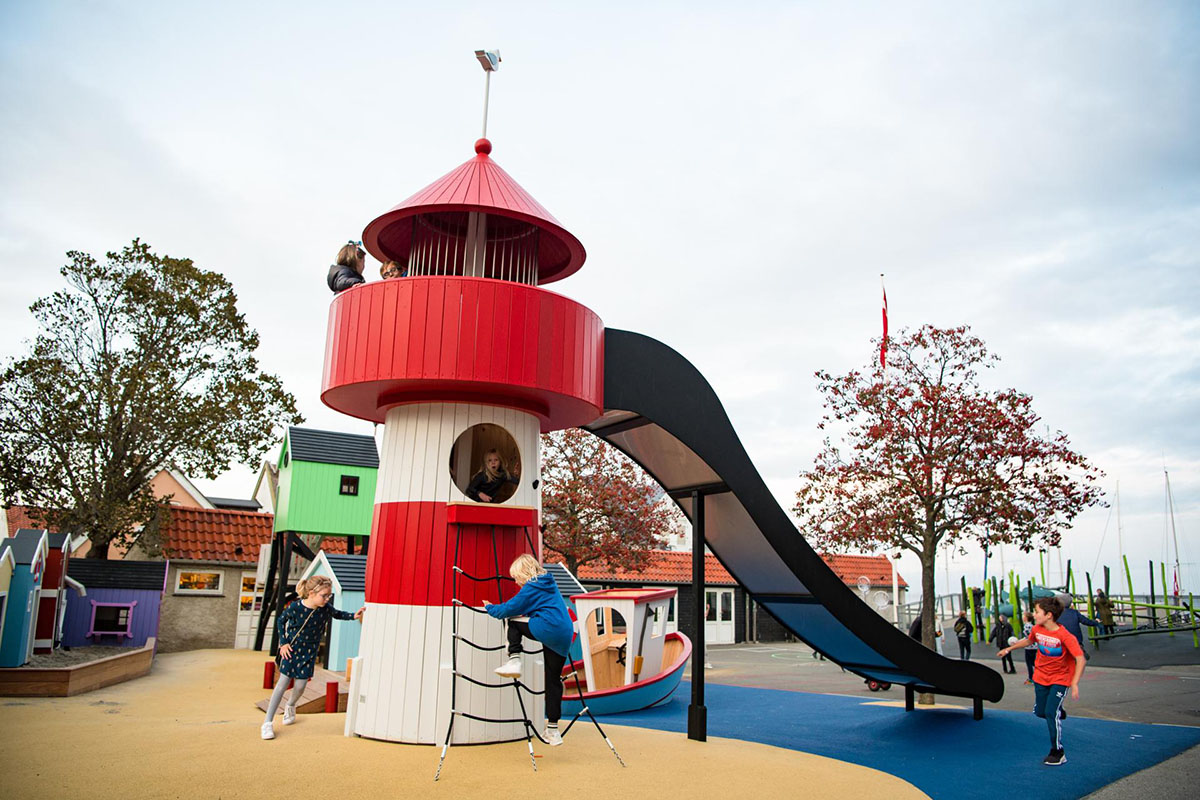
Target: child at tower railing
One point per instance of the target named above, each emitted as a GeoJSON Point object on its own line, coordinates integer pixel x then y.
{"type": "Point", "coordinates": [301, 627]}
{"type": "Point", "coordinates": [549, 623]}
{"type": "Point", "coordinates": [348, 271]}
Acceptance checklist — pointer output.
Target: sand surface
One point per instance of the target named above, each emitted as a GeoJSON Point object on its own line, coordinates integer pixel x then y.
{"type": "Point", "coordinates": [190, 730]}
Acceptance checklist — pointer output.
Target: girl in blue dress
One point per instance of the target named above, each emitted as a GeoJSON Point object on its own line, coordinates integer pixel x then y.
{"type": "Point", "coordinates": [301, 627]}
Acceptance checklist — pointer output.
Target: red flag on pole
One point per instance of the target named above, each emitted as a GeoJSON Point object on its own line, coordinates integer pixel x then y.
{"type": "Point", "coordinates": [883, 341]}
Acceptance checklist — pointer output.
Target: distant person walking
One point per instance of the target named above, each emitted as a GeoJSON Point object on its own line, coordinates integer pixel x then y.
{"type": "Point", "coordinates": [1031, 649]}
{"type": "Point", "coordinates": [1000, 635]}
{"type": "Point", "coordinates": [1104, 610]}
{"type": "Point", "coordinates": [963, 630]}
{"type": "Point", "coordinates": [1059, 667]}
{"type": "Point", "coordinates": [1072, 619]}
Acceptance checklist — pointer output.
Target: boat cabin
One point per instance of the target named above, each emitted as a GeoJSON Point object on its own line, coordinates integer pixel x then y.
{"type": "Point", "coordinates": [623, 635]}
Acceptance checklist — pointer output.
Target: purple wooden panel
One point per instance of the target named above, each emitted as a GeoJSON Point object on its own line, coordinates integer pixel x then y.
{"type": "Point", "coordinates": [79, 616]}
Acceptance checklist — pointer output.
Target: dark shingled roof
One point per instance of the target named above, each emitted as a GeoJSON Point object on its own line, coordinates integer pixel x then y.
{"type": "Point", "coordinates": [23, 547]}
{"type": "Point", "coordinates": [96, 573]}
{"type": "Point", "coordinates": [54, 540]}
{"type": "Point", "coordinates": [331, 447]}
{"type": "Point", "coordinates": [567, 583]}
{"type": "Point", "coordinates": [234, 504]}
{"type": "Point", "coordinates": [351, 571]}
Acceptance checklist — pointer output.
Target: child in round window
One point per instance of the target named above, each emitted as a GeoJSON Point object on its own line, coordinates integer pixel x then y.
{"type": "Point", "coordinates": [488, 482]}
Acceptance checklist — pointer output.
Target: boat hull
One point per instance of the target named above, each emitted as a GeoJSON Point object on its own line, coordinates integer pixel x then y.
{"type": "Point", "coordinates": [633, 697]}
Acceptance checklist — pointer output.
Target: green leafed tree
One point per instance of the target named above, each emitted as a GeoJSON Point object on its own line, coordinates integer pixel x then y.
{"type": "Point", "coordinates": [140, 362]}
{"type": "Point", "coordinates": [925, 457]}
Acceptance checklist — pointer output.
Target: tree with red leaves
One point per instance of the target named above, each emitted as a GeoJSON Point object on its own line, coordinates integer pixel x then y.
{"type": "Point", "coordinates": [598, 505]}
{"type": "Point", "coordinates": [930, 458]}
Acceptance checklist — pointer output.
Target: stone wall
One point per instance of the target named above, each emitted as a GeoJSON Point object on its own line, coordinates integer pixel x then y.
{"type": "Point", "coordinates": [195, 622]}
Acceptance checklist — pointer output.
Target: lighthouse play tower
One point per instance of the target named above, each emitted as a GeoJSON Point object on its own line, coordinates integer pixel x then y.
{"type": "Point", "coordinates": [465, 355]}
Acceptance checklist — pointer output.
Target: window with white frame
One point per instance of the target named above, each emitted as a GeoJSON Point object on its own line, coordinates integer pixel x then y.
{"type": "Point", "coordinates": [197, 581]}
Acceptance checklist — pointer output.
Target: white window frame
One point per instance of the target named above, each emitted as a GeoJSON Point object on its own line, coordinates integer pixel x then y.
{"type": "Point", "coordinates": [218, 592]}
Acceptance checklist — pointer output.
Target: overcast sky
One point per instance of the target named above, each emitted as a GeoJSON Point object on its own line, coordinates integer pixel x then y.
{"type": "Point", "coordinates": [740, 175]}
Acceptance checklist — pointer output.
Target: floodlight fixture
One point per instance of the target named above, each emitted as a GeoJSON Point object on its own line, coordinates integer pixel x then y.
{"type": "Point", "coordinates": [488, 59]}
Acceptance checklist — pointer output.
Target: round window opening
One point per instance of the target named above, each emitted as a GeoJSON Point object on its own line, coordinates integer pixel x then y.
{"type": "Point", "coordinates": [485, 463]}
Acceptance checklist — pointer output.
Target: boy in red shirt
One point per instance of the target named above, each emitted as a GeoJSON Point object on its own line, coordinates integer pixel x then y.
{"type": "Point", "coordinates": [1059, 666]}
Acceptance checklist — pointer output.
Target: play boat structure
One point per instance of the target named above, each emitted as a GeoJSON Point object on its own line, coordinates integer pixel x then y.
{"type": "Point", "coordinates": [626, 668]}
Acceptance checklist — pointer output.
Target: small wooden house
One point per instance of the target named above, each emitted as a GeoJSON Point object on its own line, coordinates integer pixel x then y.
{"type": "Point", "coordinates": [20, 618]}
{"type": "Point", "coordinates": [52, 594]}
{"type": "Point", "coordinates": [120, 604]}
{"type": "Point", "coordinates": [326, 483]}
{"type": "Point", "coordinates": [349, 575]}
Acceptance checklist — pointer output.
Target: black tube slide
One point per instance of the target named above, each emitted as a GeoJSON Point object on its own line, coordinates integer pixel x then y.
{"type": "Point", "coordinates": [661, 412]}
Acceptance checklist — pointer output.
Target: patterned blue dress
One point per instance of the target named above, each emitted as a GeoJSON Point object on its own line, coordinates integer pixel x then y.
{"type": "Point", "coordinates": [302, 627]}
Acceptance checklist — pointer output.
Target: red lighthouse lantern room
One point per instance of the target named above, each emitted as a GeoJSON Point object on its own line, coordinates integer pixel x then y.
{"type": "Point", "coordinates": [465, 362]}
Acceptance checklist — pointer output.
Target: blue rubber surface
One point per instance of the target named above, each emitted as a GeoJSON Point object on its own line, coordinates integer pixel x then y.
{"type": "Point", "coordinates": [944, 753]}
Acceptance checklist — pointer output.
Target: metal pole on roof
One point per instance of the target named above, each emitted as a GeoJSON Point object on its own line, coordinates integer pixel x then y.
{"type": "Point", "coordinates": [697, 713]}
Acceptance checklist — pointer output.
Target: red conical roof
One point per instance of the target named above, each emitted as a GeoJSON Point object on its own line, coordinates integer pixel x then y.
{"type": "Point", "coordinates": [478, 185]}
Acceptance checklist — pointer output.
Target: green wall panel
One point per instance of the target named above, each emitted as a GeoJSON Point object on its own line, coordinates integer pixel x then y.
{"type": "Point", "coordinates": [310, 500]}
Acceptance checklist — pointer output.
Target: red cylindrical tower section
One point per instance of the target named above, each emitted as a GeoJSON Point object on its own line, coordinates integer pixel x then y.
{"type": "Point", "coordinates": [460, 339]}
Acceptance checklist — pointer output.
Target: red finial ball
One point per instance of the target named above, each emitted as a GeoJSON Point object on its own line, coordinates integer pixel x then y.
{"type": "Point", "coordinates": [483, 146]}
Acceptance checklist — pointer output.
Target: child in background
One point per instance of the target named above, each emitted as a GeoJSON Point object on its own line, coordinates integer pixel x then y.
{"type": "Point", "coordinates": [549, 624]}
{"type": "Point", "coordinates": [1059, 666]}
{"type": "Point", "coordinates": [301, 627]}
{"type": "Point", "coordinates": [1032, 650]}
{"type": "Point", "coordinates": [348, 270]}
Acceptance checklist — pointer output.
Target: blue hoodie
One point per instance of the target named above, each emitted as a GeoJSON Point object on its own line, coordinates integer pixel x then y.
{"type": "Point", "coordinates": [548, 619]}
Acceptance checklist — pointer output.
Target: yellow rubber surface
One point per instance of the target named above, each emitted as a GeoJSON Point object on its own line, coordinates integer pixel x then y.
{"type": "Point", "coordinates": [190, 730]}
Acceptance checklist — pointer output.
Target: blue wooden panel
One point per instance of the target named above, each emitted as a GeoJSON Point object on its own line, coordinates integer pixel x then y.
{"type": "Point", "coordinates": [79, 616]}
{"type": "Point", "coordinates": [14, 643]}
{"type": "Point", "coordinates": [344, 638]}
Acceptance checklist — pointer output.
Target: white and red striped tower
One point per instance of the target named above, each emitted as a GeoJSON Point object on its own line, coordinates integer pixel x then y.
{"type": "Point", "coordinates": [465, 351]}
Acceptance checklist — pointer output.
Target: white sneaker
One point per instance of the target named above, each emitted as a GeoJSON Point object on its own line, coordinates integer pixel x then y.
{"type": "Point", "coordinates": [268, 730]}
{"type": "Point", "coordinates": [510, 668]}
{"type": "Point", "coordinates": [553, 737]}
{"type": "Point", "coordinates": [289, 715]}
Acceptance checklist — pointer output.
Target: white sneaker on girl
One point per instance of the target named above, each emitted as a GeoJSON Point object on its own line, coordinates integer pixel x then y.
{"type": "Point", "coordinates": [510, 668]}
{"type": "Point", "coordinates": [268, 730]}
{"type": "Point", "coordinates": [553, 737]}
{"type": "Point", "coordinates": [289, 715]}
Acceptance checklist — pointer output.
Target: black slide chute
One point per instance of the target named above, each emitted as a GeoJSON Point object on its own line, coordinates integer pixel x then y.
{"type": "Point", "coordinates": [662, 412]}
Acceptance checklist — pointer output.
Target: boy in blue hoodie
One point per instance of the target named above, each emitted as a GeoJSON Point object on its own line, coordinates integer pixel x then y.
{"type": "Point", "coordinates": [548, 623]}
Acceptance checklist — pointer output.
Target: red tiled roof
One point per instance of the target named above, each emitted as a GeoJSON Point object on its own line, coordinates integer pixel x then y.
{"type": "Point", "coordinates": [878, 569]}
{"type": "Point", "coordinates": [201, 534]}
{"type": "Point", "coordinates": [666, 566]}
{"type": "Point", "coordinates": [18, 517]}
{"type": "Point", "coordinates": [670, 566]}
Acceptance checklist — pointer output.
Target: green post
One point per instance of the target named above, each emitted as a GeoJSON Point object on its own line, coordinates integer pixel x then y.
{"type": "Point", "coordinates": [1029, 589]}
{"type": "Point", "coordinates": [1153, 601]}
{"type": "Point", "coordinates": [966, 598]}
{"type": "Point", "coordinates": [1042, 565]}
{"type": "Point", "coordinates": [1091, 610]}
{"type": "Point", "coordinates": [1163, 568]}
{"type": "Point", "coordinates": [1129, 580]}
{"type": "Point", "coordinates": [988, 619]}
{"type": "Point", "coordinates": [1070, 579]}
{"type": "Point", "coordinates": [1192, 619]}
{"type": "Point", "coordinates": [1106, 575]}
{"type": "Point", "coordinates": [971, 600]}
{"type": "Point", "coordinates": [1015, 599]}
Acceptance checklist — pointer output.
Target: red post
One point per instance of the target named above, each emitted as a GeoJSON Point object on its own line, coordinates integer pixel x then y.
{"type": "Point", "coordinates": [269, 675]}
{"type": "Point", "coordinates": [331, 697]}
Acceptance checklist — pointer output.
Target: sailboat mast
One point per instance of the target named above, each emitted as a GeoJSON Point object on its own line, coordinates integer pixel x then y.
{"type": "Point", "coordinates": [1120, 546]}
{"type": "Point", "coordinates": [1174, 533]}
